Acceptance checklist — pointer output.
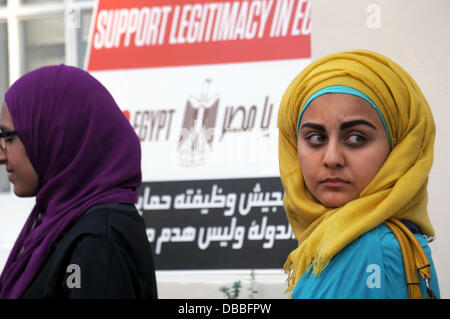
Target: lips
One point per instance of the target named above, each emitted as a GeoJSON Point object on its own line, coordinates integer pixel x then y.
{"type": "Point", "coordinates": [334, 182]}
{"type": "Point", "coordinates": [334, 179]}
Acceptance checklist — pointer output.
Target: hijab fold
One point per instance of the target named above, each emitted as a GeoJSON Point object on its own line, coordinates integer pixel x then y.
{"type": "Point", "coordinates": [84, 152]}
{"type": "Point", "coordinates": [398, 190]}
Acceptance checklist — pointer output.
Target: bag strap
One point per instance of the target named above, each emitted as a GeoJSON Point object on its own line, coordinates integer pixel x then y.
{"type": "Point", "coordinates": [414, 259]}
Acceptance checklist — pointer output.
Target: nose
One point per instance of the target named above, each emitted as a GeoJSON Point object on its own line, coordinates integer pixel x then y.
{"type": "Point", "coordinates": [333, 156]}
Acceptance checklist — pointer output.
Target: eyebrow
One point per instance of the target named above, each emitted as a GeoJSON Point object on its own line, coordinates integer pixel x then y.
{"type": "Point", "coordinates": [357, 122]}
{"type": "Point", "coordinates": [343, 125]}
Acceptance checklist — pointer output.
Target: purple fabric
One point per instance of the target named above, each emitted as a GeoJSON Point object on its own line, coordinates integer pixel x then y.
{"type": "Point", "coordinates": [84, 151]}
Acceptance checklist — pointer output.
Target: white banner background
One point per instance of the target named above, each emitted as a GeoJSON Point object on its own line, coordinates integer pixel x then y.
{"type": "Point", "coordinates": [238, 153]}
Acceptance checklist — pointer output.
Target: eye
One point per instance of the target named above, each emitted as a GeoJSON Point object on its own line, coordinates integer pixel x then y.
{"type": "Point", "coordinates": [315, 138]}
{"type": "Point", "coordinates": [356, 139]}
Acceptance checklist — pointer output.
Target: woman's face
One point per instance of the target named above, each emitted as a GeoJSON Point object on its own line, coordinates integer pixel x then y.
{"type": "Point", "coordinates": [341, 146]}
{"type": "Point", "coordinates": [20, 170]}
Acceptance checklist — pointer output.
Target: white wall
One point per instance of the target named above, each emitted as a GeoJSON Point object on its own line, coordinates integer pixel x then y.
{"type": "Point", "coordinates": [415, 34]}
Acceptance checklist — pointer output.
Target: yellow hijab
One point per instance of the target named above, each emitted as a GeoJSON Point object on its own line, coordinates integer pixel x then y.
{"type": "Point", "coordinates": [400, 187]}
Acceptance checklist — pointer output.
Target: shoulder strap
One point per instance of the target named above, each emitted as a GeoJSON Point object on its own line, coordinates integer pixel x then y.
{"type": "Point", "coordinates": [414, 259]}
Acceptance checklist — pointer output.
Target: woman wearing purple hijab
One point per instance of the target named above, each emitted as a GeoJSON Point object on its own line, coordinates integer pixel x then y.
{"type": "Point", "coordinates": [64, 140]}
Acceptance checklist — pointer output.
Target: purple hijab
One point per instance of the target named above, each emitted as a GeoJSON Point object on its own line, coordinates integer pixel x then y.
{"type": "Point", "coordinates": [84, 152]}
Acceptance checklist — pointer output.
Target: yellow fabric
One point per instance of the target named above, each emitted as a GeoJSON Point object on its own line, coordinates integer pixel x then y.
{"type": "Point", "coordinates": [414, 258]}
{"type": "Point", "coordinates": [400, 187]}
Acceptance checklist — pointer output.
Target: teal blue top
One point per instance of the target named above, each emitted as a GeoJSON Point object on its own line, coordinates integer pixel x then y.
{"type": "Point", "coordinates": [371, 267]}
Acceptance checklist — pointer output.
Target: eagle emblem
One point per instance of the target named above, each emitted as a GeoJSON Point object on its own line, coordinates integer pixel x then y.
{"type": "Point", "coordinates": [197, 134]}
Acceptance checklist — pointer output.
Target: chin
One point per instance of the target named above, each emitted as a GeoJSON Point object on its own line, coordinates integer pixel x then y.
{"type": "Point", "coordinates": [335, 202]}
{"type": "Point", "coordinates": [23, 193]}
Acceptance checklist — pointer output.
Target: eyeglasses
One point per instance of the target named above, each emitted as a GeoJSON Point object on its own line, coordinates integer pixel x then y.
{"type": "Point", "coordinates": [3, 138]}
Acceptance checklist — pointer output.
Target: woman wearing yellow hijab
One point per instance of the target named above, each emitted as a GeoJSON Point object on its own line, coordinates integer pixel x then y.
{"type": "Point", "coordinates": [355, 149]}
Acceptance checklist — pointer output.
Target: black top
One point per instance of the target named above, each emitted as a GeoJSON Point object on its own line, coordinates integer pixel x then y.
{"type": "Point", "coordinates": [104, 254]}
